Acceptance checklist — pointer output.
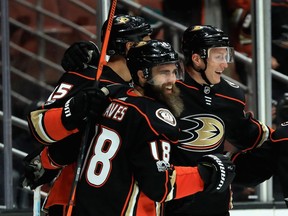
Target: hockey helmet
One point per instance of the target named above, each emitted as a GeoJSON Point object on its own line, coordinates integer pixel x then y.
{"type": "Point", "coordinates": [200, 38]}
{"type": "Point", "coordinates": [125, 28]}
{"type": "Point", "coordinates": [147, 54]}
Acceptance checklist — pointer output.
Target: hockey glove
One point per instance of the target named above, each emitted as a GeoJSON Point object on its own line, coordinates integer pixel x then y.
{"type": "Point", "coordinates": [80, 55]}
{"type": "Point", "coordinates": [217, 172]}
{"type": "Point", "coordinates": [89, 102]}
{"type": "Point", "coordinates": [34, 174]}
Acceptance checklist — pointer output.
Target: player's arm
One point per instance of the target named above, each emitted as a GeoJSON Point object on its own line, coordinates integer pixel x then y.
{"type": "Point", "coordinates": [35, 172]}
{"type": "Point", "coordinates": [247, 132]}
{"type": "Point", "coordinates": [161, 181]}
{"type": "Point", "coordinates": [244, 131]}
{"type": "Point", "coordinates": [214, 173]}
{"type": "Point", "coordinates": [51, 125]}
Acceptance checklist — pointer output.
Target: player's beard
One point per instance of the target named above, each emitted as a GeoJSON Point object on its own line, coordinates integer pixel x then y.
{"type": "Point", "coordinates": [172, 100]}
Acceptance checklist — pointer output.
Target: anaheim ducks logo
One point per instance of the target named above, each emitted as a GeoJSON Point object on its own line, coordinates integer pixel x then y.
{"type": "Point", "coordinates": [201, 133]}
{"type": "Point", "coordinates": [121, 20]}
{"type": "Point", "coordinates": [166, 116]}
{"type": "Point", "coordinates": [196, 28]}
{"type": "Point", "coordinates": [140, 43]}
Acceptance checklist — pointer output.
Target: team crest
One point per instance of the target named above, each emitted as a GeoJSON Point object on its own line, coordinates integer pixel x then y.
{"type": "Point", "coordinates": [141, 43]}
{"type": "Point", "coordinates": [197, 28]}
{"type": "Point", "coordinates": [122, 19]}
{"type": "Point", "coordinates": [166, 116]}
{"type": "Point", "coordinates": [201, 133]}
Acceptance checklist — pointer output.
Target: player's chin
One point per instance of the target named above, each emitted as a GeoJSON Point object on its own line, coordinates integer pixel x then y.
{"type": "Point", "coordinates": [168, 91]}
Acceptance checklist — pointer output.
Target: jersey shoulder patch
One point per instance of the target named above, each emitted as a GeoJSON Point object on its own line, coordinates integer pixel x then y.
{"type": "Point", "coordinates": [157, 116]}
{"type": "Point", "coordinates": [166, 116]}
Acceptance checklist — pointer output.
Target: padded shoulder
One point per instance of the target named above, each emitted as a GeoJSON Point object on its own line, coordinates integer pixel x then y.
{"type": "Point", "coordinates": [230, 90]}
{"type": "Point", "coordinates": [157, 116]}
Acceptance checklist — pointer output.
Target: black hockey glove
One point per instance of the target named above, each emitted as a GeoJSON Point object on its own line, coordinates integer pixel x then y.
{"type": "Point", "coordinates": [34, 174]}
{"type": "Point", "coordinates": [91, 101]}
{"type": "Point", "coordinates": [80, 55]}
{"type": "Point", "coordinates": [217, 172]}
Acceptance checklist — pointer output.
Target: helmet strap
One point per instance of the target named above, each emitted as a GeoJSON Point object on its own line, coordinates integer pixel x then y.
{"type": "Point", "coordinates": [202, 72]}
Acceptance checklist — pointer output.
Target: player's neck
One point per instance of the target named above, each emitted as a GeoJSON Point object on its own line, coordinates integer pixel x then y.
{"type": "Point", "coordinates": [138, 90]}
{"type": "Point", "coordinates": [119, 66]}
{"type": "Point", "coordinates": [196, 76]}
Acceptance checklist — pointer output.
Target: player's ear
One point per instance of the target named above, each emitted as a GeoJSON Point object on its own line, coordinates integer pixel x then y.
{"type": "Point", "coordinates": [141, 77]}
{"type": "Point", "coordinates": [129, 45]}
{"type": "Point", "coordinates": [196, 59]}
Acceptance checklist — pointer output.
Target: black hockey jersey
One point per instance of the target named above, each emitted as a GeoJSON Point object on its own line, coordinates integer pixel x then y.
{"type": "Point", "coordinates": [48, 130]}
{"type": "Point", "coordinates": [211, 115]}
{"type": "Point", "coordinates": [128, 165]}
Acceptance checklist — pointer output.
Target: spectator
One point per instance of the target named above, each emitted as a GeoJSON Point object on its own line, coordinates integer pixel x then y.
{"type": "Point", "coordinates": [241, 38]}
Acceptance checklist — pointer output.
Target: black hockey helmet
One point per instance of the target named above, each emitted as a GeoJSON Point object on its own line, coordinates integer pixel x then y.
{"type": "Point", "coordinates": [125, 28]}
{"type": "Point", "coordinates": [199, 38]}
{"type": "Point", "coordinates": [147, 54]}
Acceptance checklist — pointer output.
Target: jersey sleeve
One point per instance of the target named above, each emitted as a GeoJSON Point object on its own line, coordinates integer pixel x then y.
{"type": "Point", "coordinates": [243, 130]}
{"type": "Point", "coordinates": [157, 178]}
{"type": "Point", "coordinates": [46, 126]}
{"type": "Point", "coordinates": [246, 132]}
{"type": "Point", "coordinates": [46, 160]}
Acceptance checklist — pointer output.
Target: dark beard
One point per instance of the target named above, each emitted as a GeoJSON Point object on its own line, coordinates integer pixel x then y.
{"type": "Point", "coordinates": [173, 101]}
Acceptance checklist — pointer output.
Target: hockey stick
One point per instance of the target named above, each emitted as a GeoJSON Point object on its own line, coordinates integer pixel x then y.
{"type": "Point", "coordinates": [37, 201]}
{"type": "Point", "coordinates": [84, 143]}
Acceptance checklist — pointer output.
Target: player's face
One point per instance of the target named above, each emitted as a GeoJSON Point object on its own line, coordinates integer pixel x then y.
{"type": "Point", "coordinates": [164, 76]}
{"type": "Point", "coordinates": [162, 87]}
{"type": "Point", "coordinates": [217, 62]}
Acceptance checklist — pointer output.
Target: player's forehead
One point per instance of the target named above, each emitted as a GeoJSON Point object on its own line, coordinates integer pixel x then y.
{"type": "Point", "coordinates": [165, 66]}
{"type": "Point", "coordinates": [220, 50]}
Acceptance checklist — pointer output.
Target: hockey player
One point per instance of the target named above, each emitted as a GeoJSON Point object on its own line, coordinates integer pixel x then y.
{"type": "Point", "coordinates": [128, 160]}
{"type": "Point", "coordinates": [62, 135]}
{"type": "Point", "coordinates": [214, 111]}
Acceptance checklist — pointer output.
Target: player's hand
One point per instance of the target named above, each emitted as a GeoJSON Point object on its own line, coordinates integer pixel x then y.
{"type": "Point", "coordinates": [89, 102]}
{"type": "Point", "coordinates": [80, 55]}
{"type": "Point", "coordinates": [34, 173]}
{"type": "Point", "coordinates": [217, 172]}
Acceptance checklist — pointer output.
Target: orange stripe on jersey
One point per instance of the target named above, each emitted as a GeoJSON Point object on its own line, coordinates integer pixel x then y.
{"type": "Point", "coordinates": [131, 197]}
{"type": "Point", "coordinates": [146, 206]}
{"type": "Point", "coordinates": [188, 181]}
{"type": "Point", "coordinates": [168, 180]}
{"type": "Point", "coordinates": [188, 86]}
{"type": "Point", "coordinates": [61, 188]}
{"type": "Point", "coordinates": [54, 126]}
{"type": "Point", "coordinates": [230, 98]}
{"type": "Point", "coordinates": [263, 135]}
{"type": "Point", "coordinates": [143, 114]}
{"type": "Point", "coordinates": [107, 81]}
{"type": "Point", "coordinates": [46, 161]}
{"type": "Point", "coordinates": [172, 141]}
{"type": "Point", "coordinates": [81, 75]}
